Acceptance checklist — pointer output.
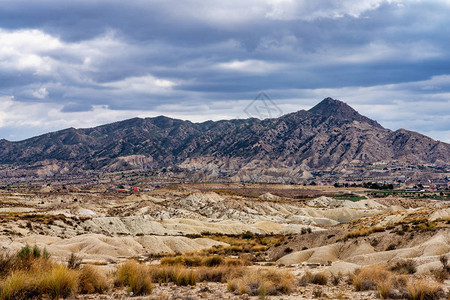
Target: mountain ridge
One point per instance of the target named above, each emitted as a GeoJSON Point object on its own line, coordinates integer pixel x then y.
{"type": "Point", "coordinates": [329, 136]}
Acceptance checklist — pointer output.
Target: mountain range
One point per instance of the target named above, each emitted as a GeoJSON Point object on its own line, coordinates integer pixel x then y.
{"type": "Point", "coordinates": [330, 136]}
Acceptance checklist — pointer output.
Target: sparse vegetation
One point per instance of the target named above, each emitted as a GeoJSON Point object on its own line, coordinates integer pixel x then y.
{"type": "Point", "coordinates": [381, 279]}
{"type": "Point", "coordinates": [246, 246]}
{"type": "Point", "coordinates": [196, 260]}
{"type": "Point", "coordinates": [6, 263]}
{"type": "Point", "coordinates": [363, 232]}
{"type": "Point", "coordinates": [74, 261]}
{"type": "Point", "coordinates": [423, 289]}
{"type": "Point", "coordinates": [19, 285]}
{"type": "Point", "coordinates": [40, 278]}
{"type": "Point", "coordinates": [391, 247]}
{"type": "Point", "coordinates": [92, 281]}
{"type": "Point", "coordinates": [218, 274]}
{"type": "Point", "coordinates": [351, 198]}
{"type": "Point", "coordinates": [370, 277]}
{"type": "Point", "coordinates": [336, 278]}
{"type": "Point", "coordinates": [59, 282]}
{"type": "Point", "coordinates": [212, 261]}
{"type": "Point", "coordinates": [306, 278]}
{"type": "Point", "coordinates": [407, 266]}
{"type": "Point", "coordinates": [135, 276]}
{"type": "Point", "coordinates": [384, 288]}
{"type": "Point", "coordinates": [181, 275]}
{"type": "Point", "coordinates": [320, 278]}
{"type": "Point", "coordinates": [262, 282]}
{"type": "Point", "coordinates": [30, 273]}
{"type": "Point", "coordinates": [443, 273]}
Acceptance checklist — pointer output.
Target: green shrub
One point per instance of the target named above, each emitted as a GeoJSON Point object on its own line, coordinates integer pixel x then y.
{"type": "Point", "coordinates": [25, 253]}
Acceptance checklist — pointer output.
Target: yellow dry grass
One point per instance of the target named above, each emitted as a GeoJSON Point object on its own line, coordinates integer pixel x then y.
{"type": "Point", "coordinates": [262, 282]}
{"type": "Point", "coordinates": [421, 289]}
{"type": "Point", "coordinates": [92, 281]}
{"type": "Point", "coordinates": [136, 277]}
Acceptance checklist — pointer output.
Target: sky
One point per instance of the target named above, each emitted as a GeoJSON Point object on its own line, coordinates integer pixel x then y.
{"type": "Point", "coordinates": [85, 63]}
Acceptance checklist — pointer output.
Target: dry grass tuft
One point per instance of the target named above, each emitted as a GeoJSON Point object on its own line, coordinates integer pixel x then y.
{"type": "Point", "coordinates": [336, 278]}
{"type": "Point", "coordinates": [444, 273]}
{"type": "Point", "coordinates": [190, 260]}
{"type": "Point", "coordinates": [217, 274]}
{"type": "Point", "coordinates": [320, 278]}
{"type": "Point", "coordinates": [184, 277]}
{"type": "Point", "coordinates": [31, 274]}
{"type": "Point", "coordinates": [408, 266]}
{"type": "Point", "coordinates": [381, 279]}
{"type": "Point", "coordinates": [56, 282]}
{"type": "Point", "coordinates": [363, 232]}
{"type": "Point", "coordinates": [306, 279]}
{"type": "Point", "coordinates": [136, 277]}
{"type": "Point", "coordinates": [424, 289]}
{"type": "Point", "coordinates": [6, 263]}
{"type": "Point", "coordinates": [185, 260]}
{"type": "Point", "coordinates": [59, 282]}
{"type": "Point", "coordinates": [74, 261]}
{"type": "Point", "coordinates": [369, 277]}
{"type": "Point", "coordinates": [92, 281]}
{"type": "Point", "coordinates": [177, 274]}
{"type": "Point", "coordinates": [24, 260]}
{"type": "Point", "coordinates": [262, 282]}
{"type": "Point", "coordinates": [236, 262]}
{"type": "Point", "coordinates": [19, 285]}
{"type": "Point", "coordinates": [212, 261]}
{"type": "Point", "coordinates": [384, 288]}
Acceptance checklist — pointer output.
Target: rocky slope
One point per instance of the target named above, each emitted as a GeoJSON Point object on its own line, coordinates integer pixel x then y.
{"type": "Point", "coordinates": [329, 136]}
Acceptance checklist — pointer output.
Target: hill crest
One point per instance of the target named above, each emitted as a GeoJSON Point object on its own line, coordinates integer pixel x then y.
{"type": "Point", "coordinates": [325, 138]}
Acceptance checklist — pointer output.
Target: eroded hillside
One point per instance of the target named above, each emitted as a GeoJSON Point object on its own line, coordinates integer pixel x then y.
{"type": "Point", "coordinates": [262, 225]}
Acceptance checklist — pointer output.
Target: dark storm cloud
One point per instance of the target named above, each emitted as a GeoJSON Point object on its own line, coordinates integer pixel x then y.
{"type": "Point", "coordinates": [164, 56]}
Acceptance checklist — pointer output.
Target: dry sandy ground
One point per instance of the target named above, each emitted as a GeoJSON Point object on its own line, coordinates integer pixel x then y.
{"type": "Point", "coordinates": [348, 256]}
{"type": "Point", "coordinates": [107, 229]}
{"type": "Point", "coordinates": [208, 290]}
{"type": "Point", "coordinates": [215, 291]}
{"type": "Point", "coordinates": [156, 222]}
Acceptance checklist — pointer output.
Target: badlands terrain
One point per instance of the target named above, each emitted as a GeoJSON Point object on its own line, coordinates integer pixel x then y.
{"type": "Point", "coordinates": [321, 241]}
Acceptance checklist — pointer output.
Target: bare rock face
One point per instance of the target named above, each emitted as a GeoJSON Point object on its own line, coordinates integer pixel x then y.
{"type": "Point", "coordinates": [330, 135]}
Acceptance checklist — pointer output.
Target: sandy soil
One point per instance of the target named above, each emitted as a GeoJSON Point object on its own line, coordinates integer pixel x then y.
{"type": "Point", "coordinates": [108, 228]}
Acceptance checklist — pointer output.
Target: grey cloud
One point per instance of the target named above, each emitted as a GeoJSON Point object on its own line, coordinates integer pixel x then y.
{"type": "Point", "coordinates": [121, 54]}
{"type": "Point", "coordinates": [76, 107]}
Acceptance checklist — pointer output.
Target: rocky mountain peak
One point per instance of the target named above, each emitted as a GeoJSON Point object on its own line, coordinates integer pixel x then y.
{"type": "Point", "coordinates": [329, 135]}
{"type": "Point", "coordinates": [330, 107]}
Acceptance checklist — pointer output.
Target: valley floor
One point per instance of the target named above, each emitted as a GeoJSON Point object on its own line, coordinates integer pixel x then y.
{"type": "Point", "coordinates": [276, 227]}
